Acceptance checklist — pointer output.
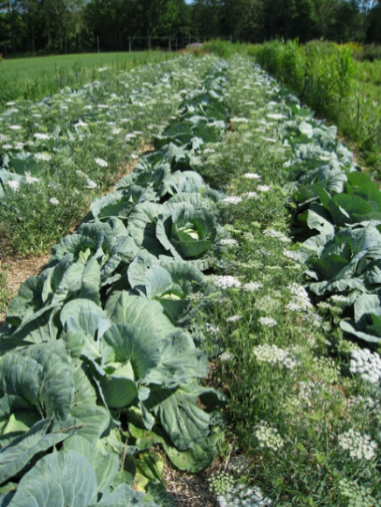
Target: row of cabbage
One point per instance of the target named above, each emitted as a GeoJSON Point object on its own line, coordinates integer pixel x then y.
{"type": "Point", "coordinates": [337, 211]}
{"type": "Point", "coordinates": [97, 364]}
{"type": "Point", "coordinates": [56, 152]}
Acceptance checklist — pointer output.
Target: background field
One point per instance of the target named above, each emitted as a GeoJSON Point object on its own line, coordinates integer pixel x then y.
{"type": "Point", "coordinates": [33, 78]}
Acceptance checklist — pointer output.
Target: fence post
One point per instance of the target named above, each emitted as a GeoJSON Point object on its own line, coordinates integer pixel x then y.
{"type": "Point", "coordinates": [129, 43]}
{"type": "Point", "coordinates": [98, 43]}
{"type": "Point", "coordinates": [169, 43]}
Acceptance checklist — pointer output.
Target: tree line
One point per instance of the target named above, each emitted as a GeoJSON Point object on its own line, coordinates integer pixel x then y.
{"type": "Point", "coordinates": [66, 26]}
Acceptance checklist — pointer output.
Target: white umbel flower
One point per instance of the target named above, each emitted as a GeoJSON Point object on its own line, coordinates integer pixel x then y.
{"type": "Point", "coordinates": [227, 282]}
{"type": "Point", "coordinates": [101, 162]}
{"type": "Point", "coordinates": [267, 321]}
{"type": "Point", "coordinates": [359, 446]}
{"type": "Point", "coordinates": [13, 185]}
{"type": "Point", "coordinates": [54, 201]}
{"type": "Point", "coordinates": [366, 364]}
{"type": "Point", "coordinates": [41, 136]}
{"type": "Point", "coordinates": [252, 176]}
{"type": "Point", "coordinates": [252, 286]}
{"type": "Point", "coordinates": [232, 199]}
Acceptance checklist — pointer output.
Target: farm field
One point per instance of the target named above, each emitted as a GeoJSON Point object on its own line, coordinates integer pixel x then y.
{"type": "Point", "coordinates": [219, 310]}
{"type": "Point", "coordinates": [34, 78]}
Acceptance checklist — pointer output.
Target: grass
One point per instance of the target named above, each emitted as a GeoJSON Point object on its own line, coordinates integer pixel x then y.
{"type": "Point", "coordinates": [34, 78]}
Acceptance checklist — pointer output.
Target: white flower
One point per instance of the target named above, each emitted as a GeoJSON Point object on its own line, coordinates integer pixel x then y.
{"type": "Point", "coordinates": [298, 290]}
{"type": "Point", "coordinates": [54, 201]}
{"type": "Point", "coordinates": [14, 185]}
{"type": "Point", "coordinates": [234, 318]}
{"type": "Point", "coordinates": [227, 356]}
{"type": "Point", "coordinates": [276, 234]}
{"type": "Point", "coordinates": [227, 282]}
{"type": "Point", "coordinates": [229, 242]}
{"type": "Point", "coordinates": [102, 69]}
{"type": "Point", "coordinates": [267, 321]}
{"type": "Point", "coordinates": [101, 162]}
{"type": "Point", "coordinates": [340, 300]}
{"type": "Point", "coordinates": [30, 179]}
{"type": "Point", "coordinates": [268, 437]}
{"type": "Point", "coordinates": [367, 364]}
{"type": "Point", "coordinates": [41, 137]}
{"type": "Point", "coordinates": [7, 146]}
{"type": "Point", "coordinates": [10, 103]}
{"type": "Point", "coordinates": [239, 120]}
{"type": "Point", "coordinates": [252, 176]}
{"type": "Point", "coordinates": [90, 183]}
{"type": "Point", "coordinates": [212, 329]}
{"type": "Point", "coordinates": [233, 199]}
{"type": "Point", "coordinates": [359, 446]}
{"type": "Point", "coordinates": [276, 116]}
{"type": "Point", "coordinates": [44, 157]}
{"type": "Point", "coordinates": [252, 286]}
{"type": "Point", "coordinates": [134, 156]}
{"type": "Point", "coordinates": [250, 195]}
{"type": "Point", "coordinates": [15, 127]}
{"type": "Point", "coordinates": [263, 188]}
{"type": "Point", "coordinates": [291, 255]}
{"type": "Point", "coordinates": [81, 124]}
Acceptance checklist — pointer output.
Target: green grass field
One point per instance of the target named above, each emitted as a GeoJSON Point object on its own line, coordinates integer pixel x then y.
{"type": "Point", "coordinates": [33, 78]}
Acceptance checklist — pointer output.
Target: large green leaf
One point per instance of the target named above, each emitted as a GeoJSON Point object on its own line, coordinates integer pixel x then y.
{"type": "Point", "coordinates": [140, 312]}
{"type": "Point", "coordinates": [180, 415]}
{"type": "Point", "coordinates": [60, 479]}
{"type": "Point", "coordinates": [17, 455]}
{"type": "Point", "coordinates": [41, 375]}
{"type": "Point", "coordinates": [105, 465]}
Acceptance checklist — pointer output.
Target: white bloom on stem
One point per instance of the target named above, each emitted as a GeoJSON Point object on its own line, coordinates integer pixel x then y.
{"type": "Point", "coordinates": [268, 437]}
{"type": "Point", "coordinates": [276, 116]}
{"type": "Point", "coordinates": [234, 318]}
{"type": "Point", "coordinates": [41, 136]}
{"type": "Point", "coordinates": [229, 242]}
{"type": "Point", "coordinates": [101, 162]}
{"type": "Point", "coordinates": [233, 199]}
{"type": "Point", "coordinates": [44, 157]}
{"type": "Point", "coordinates": [252, 176]}
{"type": "Point", "coordinates": [54, 201]}
{"type": "Point", "coordinates": [15, 127]}
{"type": "Point", "coordinates": [30, 179]}
{"type": "Point", "coordinates": [13, 185]}
{"type": "Point", "coordinates": [90, 183]}
{"type": "Point", "coordinates": [7, 146]}
{"type": "Point", "coordinates": [359, 446]}
{"type": "Point", "coordinates": [366, 364]}
{"type": "Point", "coordinates": [267, 321]}
{"type": "Point", "coordinates": [227, 356]}
{"type": "Point", "coordinates": [250, 195]}
{"type": "Point", "coordinates": [263, 188]}
{"type": "Point", "coordinates": [252, 286]}
{"type": "Point", "coordinates": [227, 282]}
{"type": "Point", "coordinates": [290, 254]}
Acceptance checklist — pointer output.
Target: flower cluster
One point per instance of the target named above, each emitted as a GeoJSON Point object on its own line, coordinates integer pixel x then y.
{"type": "Point", "coordinates": [359, 496]}
{"type": "Point", "coordinates": [267, 321]}
{"type": "Point", "coordinates": [367, 364]}
{"type": "Point", "coordinates": [232, 199]}
{"type": "Point", "coordinates": [242, 496]}
{"type": "Point", "coordinates": [273, 354]}
{"type": "Point", "coordinates": [221, 482]}
{"type": "Point", "coordinates": [227, 282]}
{"type": "Point", "coordinates": [359, 446]}
{"type": "Point", "coordinates": [268, 437]}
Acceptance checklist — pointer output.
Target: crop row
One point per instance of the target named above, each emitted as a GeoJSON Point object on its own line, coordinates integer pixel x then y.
{"type": "Point", "coordinates": [58, 153]}
{"type": "Point", "coordinates": [93, 348]}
